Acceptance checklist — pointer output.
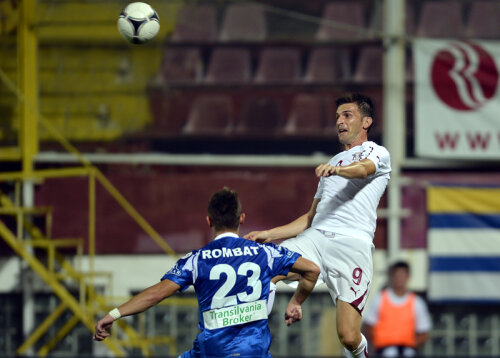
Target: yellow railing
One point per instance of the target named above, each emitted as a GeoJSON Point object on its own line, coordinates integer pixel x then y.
{"type": "Point", "coordinates": [26, 92]}
{"type": "Point", "coordinates": [94, 174]}
{"type": "Point", "coordinates": [90, 301]}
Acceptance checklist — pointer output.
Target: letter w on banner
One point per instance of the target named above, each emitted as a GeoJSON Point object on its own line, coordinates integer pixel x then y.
{"type": "Point", "coordinates": [464, 243]}
{"type": "Point", "coordinates": [457, 101]}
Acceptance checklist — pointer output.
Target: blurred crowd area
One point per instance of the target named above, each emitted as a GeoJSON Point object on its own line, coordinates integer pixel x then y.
{"type": "Point", "coordinates": [220, 72]}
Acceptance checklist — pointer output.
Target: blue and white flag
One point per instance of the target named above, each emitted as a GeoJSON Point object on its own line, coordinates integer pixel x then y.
{"type": "Point", "coordinates": [464, 243]}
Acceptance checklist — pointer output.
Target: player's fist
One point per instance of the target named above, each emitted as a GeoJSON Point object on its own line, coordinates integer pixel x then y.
{"type": "Point", "coordinates": [259, 236]}
{"type": "Point", "coordinates": [325, 170]}
{"type": "Point", "coordinates": [293, 313]}
{"type": "Point", "coordinates": [102, 327]}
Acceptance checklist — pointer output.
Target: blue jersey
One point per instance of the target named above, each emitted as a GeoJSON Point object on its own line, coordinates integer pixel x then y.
{"type": "Point", "coordinates": [231, 277]}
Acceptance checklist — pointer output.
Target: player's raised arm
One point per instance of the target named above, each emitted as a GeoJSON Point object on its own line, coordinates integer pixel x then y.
{"type": "Point", "coordinates": [139, 303]}
{"type": "Point", "coordinates": [356, 170]}
{"type": "Point", "coordinates": [309, 273]}
{"type": "Point", "coordinates": [286, 231]}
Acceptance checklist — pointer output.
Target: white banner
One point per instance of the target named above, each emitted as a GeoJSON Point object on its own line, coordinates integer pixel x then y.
{"type": "Point", "coordinates": [457, 99]}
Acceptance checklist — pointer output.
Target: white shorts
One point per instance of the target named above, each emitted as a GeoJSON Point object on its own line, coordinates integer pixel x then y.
{"type": "Point", "coordinates": [346, 263]}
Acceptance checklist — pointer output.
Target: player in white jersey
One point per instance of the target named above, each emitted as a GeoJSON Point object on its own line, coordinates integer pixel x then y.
{"type": "Point", "coordinates": [337, 231]}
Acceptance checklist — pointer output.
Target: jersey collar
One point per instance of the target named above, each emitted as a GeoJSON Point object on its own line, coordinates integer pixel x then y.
{"type": "Point", "coordinates": [226, 234]}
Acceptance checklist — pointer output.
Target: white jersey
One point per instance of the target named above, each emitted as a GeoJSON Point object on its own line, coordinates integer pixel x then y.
{"type": "Point", "coordinates": [349, 206]}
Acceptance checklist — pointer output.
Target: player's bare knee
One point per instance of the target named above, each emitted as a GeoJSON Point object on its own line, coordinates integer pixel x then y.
{"type": "Point", "coordinates": [349, 338]}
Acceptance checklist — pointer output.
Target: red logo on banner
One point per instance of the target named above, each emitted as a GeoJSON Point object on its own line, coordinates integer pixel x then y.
{"type": "Point", "coordinates": [464, 76]}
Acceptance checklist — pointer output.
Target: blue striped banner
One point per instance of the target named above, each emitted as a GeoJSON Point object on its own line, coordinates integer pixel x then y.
{"type": "Point", "coordinates": [464, 264]}
{"type": "Point", "coordinates": [462, 221]}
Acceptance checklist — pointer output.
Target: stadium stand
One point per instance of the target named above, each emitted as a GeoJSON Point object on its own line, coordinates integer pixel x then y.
{"type": "Point", "coordinates": [279, 65]}
{"type": "Point", "coordinates": [260, 116]}
{"type": "Point", "coordinates": [441, 19]}
{"type": "Point", "coordinates": [337, 15]}
{"type": "Point", "coordinates": [196, 23]}
{"type": "Point", "coordinates": [243, 22]}
{"type": "Point", "coordinates": [327, 65]}
{"type": "Point", "coordinates": [483, 20]}
{"type": "Point", "coordinates": [181, 65]}
{"type": "Point", "coordinates": [369, 67]}
{"type": "Point", "coordinates": [210, 115]}
{"type": "Point", "coordinates": [229, 66]}
{"type": "Point", "coordinates": [310, 115]}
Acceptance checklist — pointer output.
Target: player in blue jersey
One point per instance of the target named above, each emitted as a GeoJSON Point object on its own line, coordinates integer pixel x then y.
{"type": "Point", "coordinates": [231, 277]}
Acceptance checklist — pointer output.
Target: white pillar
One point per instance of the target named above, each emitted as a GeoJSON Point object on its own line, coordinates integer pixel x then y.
{"type": "Point", "coordinates": [394, 113]}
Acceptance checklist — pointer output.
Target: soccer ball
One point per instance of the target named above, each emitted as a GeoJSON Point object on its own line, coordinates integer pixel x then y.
{"type": "Point", "coordinates": [138, 23]}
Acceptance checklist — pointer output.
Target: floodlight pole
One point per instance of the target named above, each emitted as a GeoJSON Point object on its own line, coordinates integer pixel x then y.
{"type": "Point", "coordinates": [394, 114]}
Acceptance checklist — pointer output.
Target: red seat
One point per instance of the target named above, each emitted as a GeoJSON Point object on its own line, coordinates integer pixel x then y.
{"type": "Point", "coordinates": [244, 22]}
{"type": "Point", "coordinates": [196, 23]}
{"type": "Point", "coordinates": [328, 65]}
{"type": "Point", "coordinates": [310, 115]}
{"type": "Point", "coordinates": [182, 65]}
{"type": "Point", "coordinates": [278, 65]}
{"type": "Point", "coordinates": [370, 66]}
{"type": "Point", "coordinates": [441, 19]}
{"type": "Point", "coordinates": [210, 115]}
{"type": "Point", "coordinates": [229, 65]}
{"type": "Point", "coordinates": [484, 20]}
{"type": "Point", "coordinates": [260, 116]}
{"type": "Point", "coordinates": [342, 20]}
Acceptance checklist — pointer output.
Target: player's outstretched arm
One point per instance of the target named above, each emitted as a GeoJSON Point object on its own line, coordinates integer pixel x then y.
{"type": "Point", "coordinates": [139, 303]}
{"type": "Point", "coordinates": [286, 231]}
{"type": "Point", "coordinates": [356, 170]}
{"type": "Point", "coordinates": [309, 273]}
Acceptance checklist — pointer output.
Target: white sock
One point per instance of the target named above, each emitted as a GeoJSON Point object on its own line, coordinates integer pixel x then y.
{"type": "Point", "coordinates": [360, 352]}
{"type": "Point", "coordinates": [270, 300]}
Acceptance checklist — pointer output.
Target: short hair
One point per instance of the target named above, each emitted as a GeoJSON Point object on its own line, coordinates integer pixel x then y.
{"type": "Point", "coordinates": [364, 103]}
{"type": "Point", "coordinates": [224, 209]}
{"type": "Point", "coordinates": [399, 265]}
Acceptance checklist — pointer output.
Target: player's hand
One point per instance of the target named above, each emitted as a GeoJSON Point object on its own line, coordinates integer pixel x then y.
{"type": "Point", "coordinates": [325, 170]}
{"type": "Point", "coordinates": [259, 236]}
{"type": "Point", "coordinates": [293, 313]}
{"type": "Point", "coordinates": [102, 327]}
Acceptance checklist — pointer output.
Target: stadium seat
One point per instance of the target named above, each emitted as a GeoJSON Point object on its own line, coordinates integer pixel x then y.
{"type": "Point", "coordinates": [278, 65]}
{"type": "Point", "coordinates": [370, 66]}
{"type": "Point", "coordinates": [327, 65]}
{"type": "Point", "coordinates": [337, 15]}
{"type": "Point", "coordinates": [229, 65]}
{"type": "Point", "coordinates": [182, 65]}
{"type": "Point", "coordinates": [483, 20]}
{"type": "Point", "coordinates": [310, 115]}
{"type": "Point", "coordinates": [196, 23]}
{"type": "Point", "coordinates": [210, 115]}
{"type": "Point", "coordinates": [243, 22]}
{"type": "Point", "coordinates": [260, 116]}
{"type": "Point", "coordinates": [441, 19]}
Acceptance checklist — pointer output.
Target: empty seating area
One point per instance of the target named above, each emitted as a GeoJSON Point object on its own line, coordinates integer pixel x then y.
{"type": "Point", "coordinates": [230, 71]}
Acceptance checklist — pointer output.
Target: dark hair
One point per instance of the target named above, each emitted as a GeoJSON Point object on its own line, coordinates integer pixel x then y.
{"type": "Point", "coordinates": [224, 209]}
{"type": "Point", "coordinates": [398, 265]}
{"type": "Point", "coordinates": [364, 103]}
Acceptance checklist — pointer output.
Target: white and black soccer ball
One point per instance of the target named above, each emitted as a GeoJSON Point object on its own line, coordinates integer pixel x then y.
{"type": "Point", "coordinates": [138, 23]}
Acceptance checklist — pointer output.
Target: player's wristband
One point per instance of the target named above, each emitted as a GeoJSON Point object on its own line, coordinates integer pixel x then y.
{"type": "Point", "coordinates": [337, 170]}
{"type": "Point", "coordinates": [115, 313]}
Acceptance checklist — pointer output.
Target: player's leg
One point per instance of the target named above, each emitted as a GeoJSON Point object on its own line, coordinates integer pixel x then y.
{"type": "Point", "coordinates": [348, 273]}
{"type": "Point", "coordinates": [349, 331]}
